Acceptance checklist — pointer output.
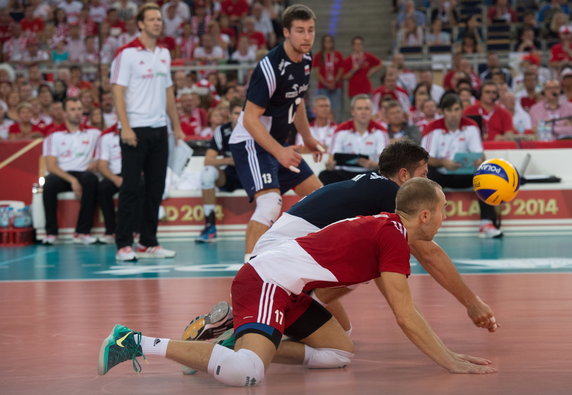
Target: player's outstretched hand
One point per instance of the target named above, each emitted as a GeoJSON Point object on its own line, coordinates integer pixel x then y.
{"type": "Point", "coordinates": [482, 315]}
{"type": "Point", "coordinates": [468, 364]}
{"type": "Point", "coordinates": [289, 156]}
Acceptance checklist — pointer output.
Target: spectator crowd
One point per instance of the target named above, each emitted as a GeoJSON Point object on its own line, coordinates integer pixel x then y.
{"type": "Point", "coordinates": [60, 49]}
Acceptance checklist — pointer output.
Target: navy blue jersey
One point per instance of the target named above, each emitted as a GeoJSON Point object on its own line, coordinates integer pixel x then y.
{"type": "Point", "coordinates": [365, 194]}
{"type": "Point", "coordinates": [278, 85]}
{"type": "Point", "coordinates": [219, 142]}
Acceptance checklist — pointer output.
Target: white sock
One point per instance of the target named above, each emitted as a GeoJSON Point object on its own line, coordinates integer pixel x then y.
{"type": "Point", "coordinates": [208, 208]}
{"type": "Point", "coordinates": [154, 345]}
{"type": "Point", "coordinates": [218, 354]}
{"type": "Point", "coordinates": [486, 222]}
{"type": "Point", "coordinates": [246, 257]}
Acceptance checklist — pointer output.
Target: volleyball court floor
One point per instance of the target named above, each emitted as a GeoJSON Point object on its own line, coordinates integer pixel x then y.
{"type": "Point", "coordinates": [58, 303]}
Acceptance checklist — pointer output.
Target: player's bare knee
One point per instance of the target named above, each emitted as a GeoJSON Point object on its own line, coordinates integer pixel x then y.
{"type": "Point", "coordinates": [242, 368]}
{"type": "Point", "coordinates": [326, 358]}
{"type": "Point", "coordinates": [268, 208]}
{"type": "Point", "coordinates": [209, 175]}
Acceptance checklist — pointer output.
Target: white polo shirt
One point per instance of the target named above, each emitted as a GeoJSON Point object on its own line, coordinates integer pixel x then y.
{"type": "Point", "coordinates": [442, 143]}
{"type": "Point", "coordinates": [109, 149]}
{"type": "Point", "coordinates": [347, 141]}
{"type": "Point", "coordinates": [73, 150]}
{"type": "Point", "coordinates": [147, 75]}
{"type": "Point", "coordinates": [324, 134]}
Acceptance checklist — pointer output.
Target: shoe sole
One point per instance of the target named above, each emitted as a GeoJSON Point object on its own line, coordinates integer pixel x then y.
{"type": "Point", "coordinates": [203, 328]}
{"type": "Point", "coordinates": [103, 352]}
{"type": "Point", "coordinates": [483, 236]}
{"type": "Point", "coordinates": [134, 259]}
{"type": "Point", "coordinates": [205, 241]}
{"type": "Point", "coordinates": [145, 255]}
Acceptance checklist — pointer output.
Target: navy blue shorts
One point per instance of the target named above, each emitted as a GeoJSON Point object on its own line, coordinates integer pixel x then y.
{"type": "Point", "coordinates": [232, 182]}
{"type": "Point", "coordinates": [258, 169]}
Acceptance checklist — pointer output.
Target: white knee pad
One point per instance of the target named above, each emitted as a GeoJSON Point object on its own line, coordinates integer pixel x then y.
{"type": "Point", "coordinates": [242, 368]}
{"type": "Point", "coordinates": [208, 177]}
{"type": "Point", "coordinates": [326, 358]}
{"type": "Point", "coordinates": [268, 208]}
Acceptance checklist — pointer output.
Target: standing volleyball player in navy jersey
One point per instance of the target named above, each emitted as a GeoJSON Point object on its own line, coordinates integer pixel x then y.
{"type": "Point", "coordinates": [266, 165]}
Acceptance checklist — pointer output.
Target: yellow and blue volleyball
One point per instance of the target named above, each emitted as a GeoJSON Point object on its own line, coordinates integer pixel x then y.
{"type": "Point", "coordinates": [496, 181]}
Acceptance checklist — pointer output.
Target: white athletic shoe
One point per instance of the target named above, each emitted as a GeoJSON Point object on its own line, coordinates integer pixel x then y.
{"type": "Point", "coordinates": [489, 231]}
{"type": "Point", "coordinates": [125, 254]}
{"type": "Point", "coordinates": [154, 252]}
{"type": "Point", "coordinates": [49, 240]}
{"type": "Point", "coordinates": [107, 239]}
{"type": "Point", "coordinates": [84, 239]}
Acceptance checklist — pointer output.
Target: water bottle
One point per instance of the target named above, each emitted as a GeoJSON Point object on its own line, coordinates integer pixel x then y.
{"type": "Point", "coordinates": [4, 217]}
{"type": "Point", "coordinates": [544, 132]}
{"type": "Point", "coordinates": [22, 218]}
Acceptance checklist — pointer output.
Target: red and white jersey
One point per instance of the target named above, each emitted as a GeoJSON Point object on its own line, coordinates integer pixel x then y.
{"type": "Point", "coordinates": [351, 251]}
{"type": "Point", "coordinates": [442, 143]}
{"type": "Point", "coordinates": [398, 94]}
{"type": "Point", "coordinates": [109, 149]}
{"type": "Point", "coordinates": [147, 76]}
{"type": "Point", "coordinates": [324, 134]}
{"type": "Point", "coordinates": [347, 141]}
{"type": "Point", "coordinates": [73, 150]}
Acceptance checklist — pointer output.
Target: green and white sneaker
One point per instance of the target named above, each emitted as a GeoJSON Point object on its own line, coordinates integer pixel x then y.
{"type": "Point", "coordinates": [121, 345]}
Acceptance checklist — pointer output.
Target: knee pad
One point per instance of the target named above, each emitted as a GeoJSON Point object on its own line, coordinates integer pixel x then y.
{"type": "Point", "coordinates": [208, 177]}
{"type": "Point", "coordinates": [268, 208]}
{"type": "Point", "coordinates": [242, 368]}
{"type": "Point", "coordinates": [326, 358]}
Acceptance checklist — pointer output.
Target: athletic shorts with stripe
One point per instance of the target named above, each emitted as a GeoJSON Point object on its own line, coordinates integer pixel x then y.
{"type": "Point", "coordinates": [266, 309]}
{"type": "Point", "coordinates": [258, 169]}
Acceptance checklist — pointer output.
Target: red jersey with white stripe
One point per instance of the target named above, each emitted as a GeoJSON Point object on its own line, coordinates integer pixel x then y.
{"type": "Point", "coordinates": [398, 94]}
{"type": "Point", "coordinates": [73, 150]}
{"type": "Point", "coordinates": [146, 75]}
{"type": "Point", "coordinates": [347, 141]}
{"type": "Point", "coordinates": [442, 143]}
{"type": "Point", "coordinates": [351, 251]}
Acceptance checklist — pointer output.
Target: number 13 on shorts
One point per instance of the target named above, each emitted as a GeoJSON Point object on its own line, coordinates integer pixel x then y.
{"type": "Point", "coordinates": [267, 178]}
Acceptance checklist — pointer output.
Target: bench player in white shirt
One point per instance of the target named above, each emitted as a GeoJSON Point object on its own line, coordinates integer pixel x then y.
{"type": "Point", "coordinates": [69, 161]}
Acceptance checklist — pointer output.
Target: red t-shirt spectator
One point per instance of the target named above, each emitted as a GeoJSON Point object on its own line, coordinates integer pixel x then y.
{"type": "Point", "coordinates": [237, 8]}
{"type": "Point", "coordinates": [527, 102]}
{"type": "Point", "coordinates": [35, 25]}
{"type": "Point", "coordinates": [256, 37]}
{"type": "Point", "coordinates": [190, 126]}
{"type": "Point", "coordinates": [167, 42]}
{"type": "Point", "coordinates": [495, 122]}
{"type": "Point", "coordinates": [15, 129]}
{"type": "Point", "coordinates": [508, 17]}
{"type": "Point", "coordinates": [558, 54]}
{"type": "Point", "coordinates": [359, 82]}
{"type": "Point", "coordinates": [328, 66]}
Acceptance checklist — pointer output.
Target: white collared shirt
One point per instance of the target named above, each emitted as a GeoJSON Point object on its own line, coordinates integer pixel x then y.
{"type": "Point", "coordinates": [147, 76]}
{"type": "Point", "coordinates": [73, 150]}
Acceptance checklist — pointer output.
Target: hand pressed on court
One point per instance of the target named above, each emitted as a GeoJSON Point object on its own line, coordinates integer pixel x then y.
{"type": "Point", "coordinates": [128, 137]}
{"type": "Point", "coordinates": [464, 363]}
